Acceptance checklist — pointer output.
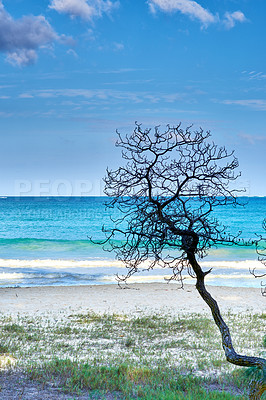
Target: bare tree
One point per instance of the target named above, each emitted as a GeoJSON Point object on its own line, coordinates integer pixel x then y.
{"type": "Point", "coordinates": [261, 250]}
{"type": "Point", "coordinates": [166, 193]}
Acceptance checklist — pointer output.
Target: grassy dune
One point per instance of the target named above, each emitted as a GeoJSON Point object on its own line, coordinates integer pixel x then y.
{"type": "Point", "coordinates": [144, 356]}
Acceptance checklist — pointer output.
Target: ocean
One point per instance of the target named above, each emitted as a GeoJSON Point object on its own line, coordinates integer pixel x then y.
{"type": "Point", "coordinates": [45, 241]}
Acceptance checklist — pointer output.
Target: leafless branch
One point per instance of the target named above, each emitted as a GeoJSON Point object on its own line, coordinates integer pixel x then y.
{"type": "Point", "coordinates": [166, 192]}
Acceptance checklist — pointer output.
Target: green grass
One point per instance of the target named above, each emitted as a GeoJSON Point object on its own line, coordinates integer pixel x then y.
{"type": "Point", "coordinates": [128, 382]}
{"type": "Point", "coordinates": [13, 328]}
{"type": "Point", "coordinates": [145, 356]}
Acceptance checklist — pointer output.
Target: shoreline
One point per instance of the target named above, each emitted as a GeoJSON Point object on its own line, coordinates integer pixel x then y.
{"type": "Point", "coordinates": [69, 272]}
{"type": "Point", "coordinates": [134, 298]}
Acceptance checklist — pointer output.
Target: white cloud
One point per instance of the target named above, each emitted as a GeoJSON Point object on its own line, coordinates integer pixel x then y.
{"type": "Point", "coordinates": [105, 95]}
{"type": "Point", "coordinates": [25, 96]}
{"type": "Point", "coordinates": [187, 7]}
{"type": "Point", "coordinates": [195, 11]}
{"type": "Point", "coordinates": [72, 52]}
{"type": "Point", "coordinates": [22, 57]}
{"type": "Point", "coordinates": [118, 46]}
{"type": "Point", "coordinates": [256, 104]}
{"type": "Point", "coordinates": [230, 19]}
{"type": "Point", "coordinates": [21, 38]}
{"type": "Point", "coordinates": [252, 139]}
{"type": "Point", "coordinates": [254, 75]}
{"type": "Point", "coordinates": [85, 9]}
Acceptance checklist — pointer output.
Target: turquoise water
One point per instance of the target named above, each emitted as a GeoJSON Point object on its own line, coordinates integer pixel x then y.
{"type": "Point", "coordinates": [44, 241]}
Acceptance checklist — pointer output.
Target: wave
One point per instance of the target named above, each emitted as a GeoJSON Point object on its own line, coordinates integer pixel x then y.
{"type": "Point", "coordinates": [13, 275]}
{"type": "Point", "coordinates": [69, 279]}
{"type": "Point", "coordinates": [243, 264]}
{"type": "Point", "coordinates": [59, 264]}
{"type": "Point", "coordinates": [40, 272]}
{"type": "Point", "coordinates": [48, 279]}
{"type": "Point", "coordinates": [34, 248]}
{"type": "Point", "coordinates": [45, 242]}
{"type": "Point", "coordinates": [98, 263]}
{"type": "Point", "coordinates": [29, 241]}
{"type": "Point", "coordinates": [238, 280]}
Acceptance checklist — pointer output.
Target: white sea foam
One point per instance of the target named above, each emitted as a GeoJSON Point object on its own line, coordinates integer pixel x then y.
{"type": "Point", "coordinates": [227, 279]}
{"type": "Point", "coordinates": [58, 264]}
{"type": "Point", "coordinates": [10, 276]}
{"type": "Point", "coordinates": [99, 263]}
{"type": "Point", "coordinates": [245, 264]}
{"type": "Point", "coordinates": [68, 272]}
{"type": "Point", "coordinates": [145, 278]}
{"type": "Point", "coordinates": [229, 276]}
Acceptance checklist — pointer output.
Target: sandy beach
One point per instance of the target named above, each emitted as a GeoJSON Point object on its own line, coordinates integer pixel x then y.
{"type": "Point", "coordinates": [151, 297]}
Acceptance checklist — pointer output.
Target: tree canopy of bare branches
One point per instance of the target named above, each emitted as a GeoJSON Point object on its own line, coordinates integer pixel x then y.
{"type": "Point", "coordinates": [166, 192]}
{"type": "Point", "coordinates": [261, 250]}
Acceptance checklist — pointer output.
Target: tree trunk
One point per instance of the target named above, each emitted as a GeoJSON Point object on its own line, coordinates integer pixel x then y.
{"type": "Point", "coordinates": [257, 387]}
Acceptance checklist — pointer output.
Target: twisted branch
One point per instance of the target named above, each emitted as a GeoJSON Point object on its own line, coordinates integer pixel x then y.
{"type": "Point", "coordinates": [165, 194]}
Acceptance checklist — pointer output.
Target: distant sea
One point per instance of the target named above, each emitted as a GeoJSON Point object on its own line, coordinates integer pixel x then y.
{"type": "Point", "coordinates": [44, 241]}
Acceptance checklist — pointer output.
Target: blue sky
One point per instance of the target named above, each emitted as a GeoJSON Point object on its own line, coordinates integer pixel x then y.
{"type": "Point", "coordinates": [74, 71]}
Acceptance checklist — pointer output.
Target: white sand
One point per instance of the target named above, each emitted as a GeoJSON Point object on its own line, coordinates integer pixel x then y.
{"type": "Point", "coordinates": [139, 297]}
